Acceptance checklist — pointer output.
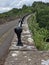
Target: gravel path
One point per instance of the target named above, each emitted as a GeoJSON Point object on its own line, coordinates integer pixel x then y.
{"type": "Point", "coordinates": [6, 36]}
{"type": "Point", "coordinates": [5, 27]}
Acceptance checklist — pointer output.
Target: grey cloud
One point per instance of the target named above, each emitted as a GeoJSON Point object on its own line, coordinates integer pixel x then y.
{"type": "Point", "coordinates": [16, 3]}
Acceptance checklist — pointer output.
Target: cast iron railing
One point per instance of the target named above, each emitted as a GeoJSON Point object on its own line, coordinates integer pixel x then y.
{"type": "Point", "coordinates": [18, 30]}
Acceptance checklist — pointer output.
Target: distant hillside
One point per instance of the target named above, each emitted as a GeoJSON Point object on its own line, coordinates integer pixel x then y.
{"type": "Point", "coordinates": [14, 14]}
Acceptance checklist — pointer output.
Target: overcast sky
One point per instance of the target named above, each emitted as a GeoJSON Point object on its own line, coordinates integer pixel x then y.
{"type": "Point", "coordinates": [6, 5]}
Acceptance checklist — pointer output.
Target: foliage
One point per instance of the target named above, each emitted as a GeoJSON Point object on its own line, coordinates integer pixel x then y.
{"type": "Point", "coordinates": [14, 13]}
{"type": "Point", "coordinates": [39, 34]}
{"type": "Point", "coordinates": [42, 19]}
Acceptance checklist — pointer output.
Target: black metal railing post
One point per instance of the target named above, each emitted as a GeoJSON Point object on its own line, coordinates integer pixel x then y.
{"type": "Point", "coordinates": [18, 31]}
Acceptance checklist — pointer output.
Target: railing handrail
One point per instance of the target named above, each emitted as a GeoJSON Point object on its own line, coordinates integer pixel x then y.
{"type": "Point", "coordinates": [18, 30]}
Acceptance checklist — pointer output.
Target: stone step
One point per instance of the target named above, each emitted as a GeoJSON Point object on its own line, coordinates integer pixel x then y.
{"type": "Point", "coordinates": [25, 47]}
{"type": "Point", "coordinates": [22, 49]}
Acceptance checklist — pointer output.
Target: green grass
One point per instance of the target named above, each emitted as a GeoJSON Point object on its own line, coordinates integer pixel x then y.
{"type": "Point", "coordinates": [38, 34]}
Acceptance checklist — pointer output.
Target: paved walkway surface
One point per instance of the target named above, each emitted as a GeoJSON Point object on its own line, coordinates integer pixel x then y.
{"type": "Point", "coordinates": [26, 54]}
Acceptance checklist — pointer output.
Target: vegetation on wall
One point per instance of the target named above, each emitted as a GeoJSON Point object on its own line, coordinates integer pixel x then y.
{"type": "Point", "coordinates": [39, 25]}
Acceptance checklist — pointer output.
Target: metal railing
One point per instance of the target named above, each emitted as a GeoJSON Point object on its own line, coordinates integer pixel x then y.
{"type": "Point", "coordinates": [18, 30]}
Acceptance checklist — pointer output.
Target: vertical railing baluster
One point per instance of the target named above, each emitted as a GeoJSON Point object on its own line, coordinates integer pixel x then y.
{"type": "Point", "coordinates": [18, 31]}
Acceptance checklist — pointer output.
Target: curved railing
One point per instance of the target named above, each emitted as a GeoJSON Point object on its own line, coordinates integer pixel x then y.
{"type": "Point", "coordinates": [18, 30]}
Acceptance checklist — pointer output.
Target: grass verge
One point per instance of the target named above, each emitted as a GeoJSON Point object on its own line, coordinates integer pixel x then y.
{"type": "Point", "coordinates": [38, 34]}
